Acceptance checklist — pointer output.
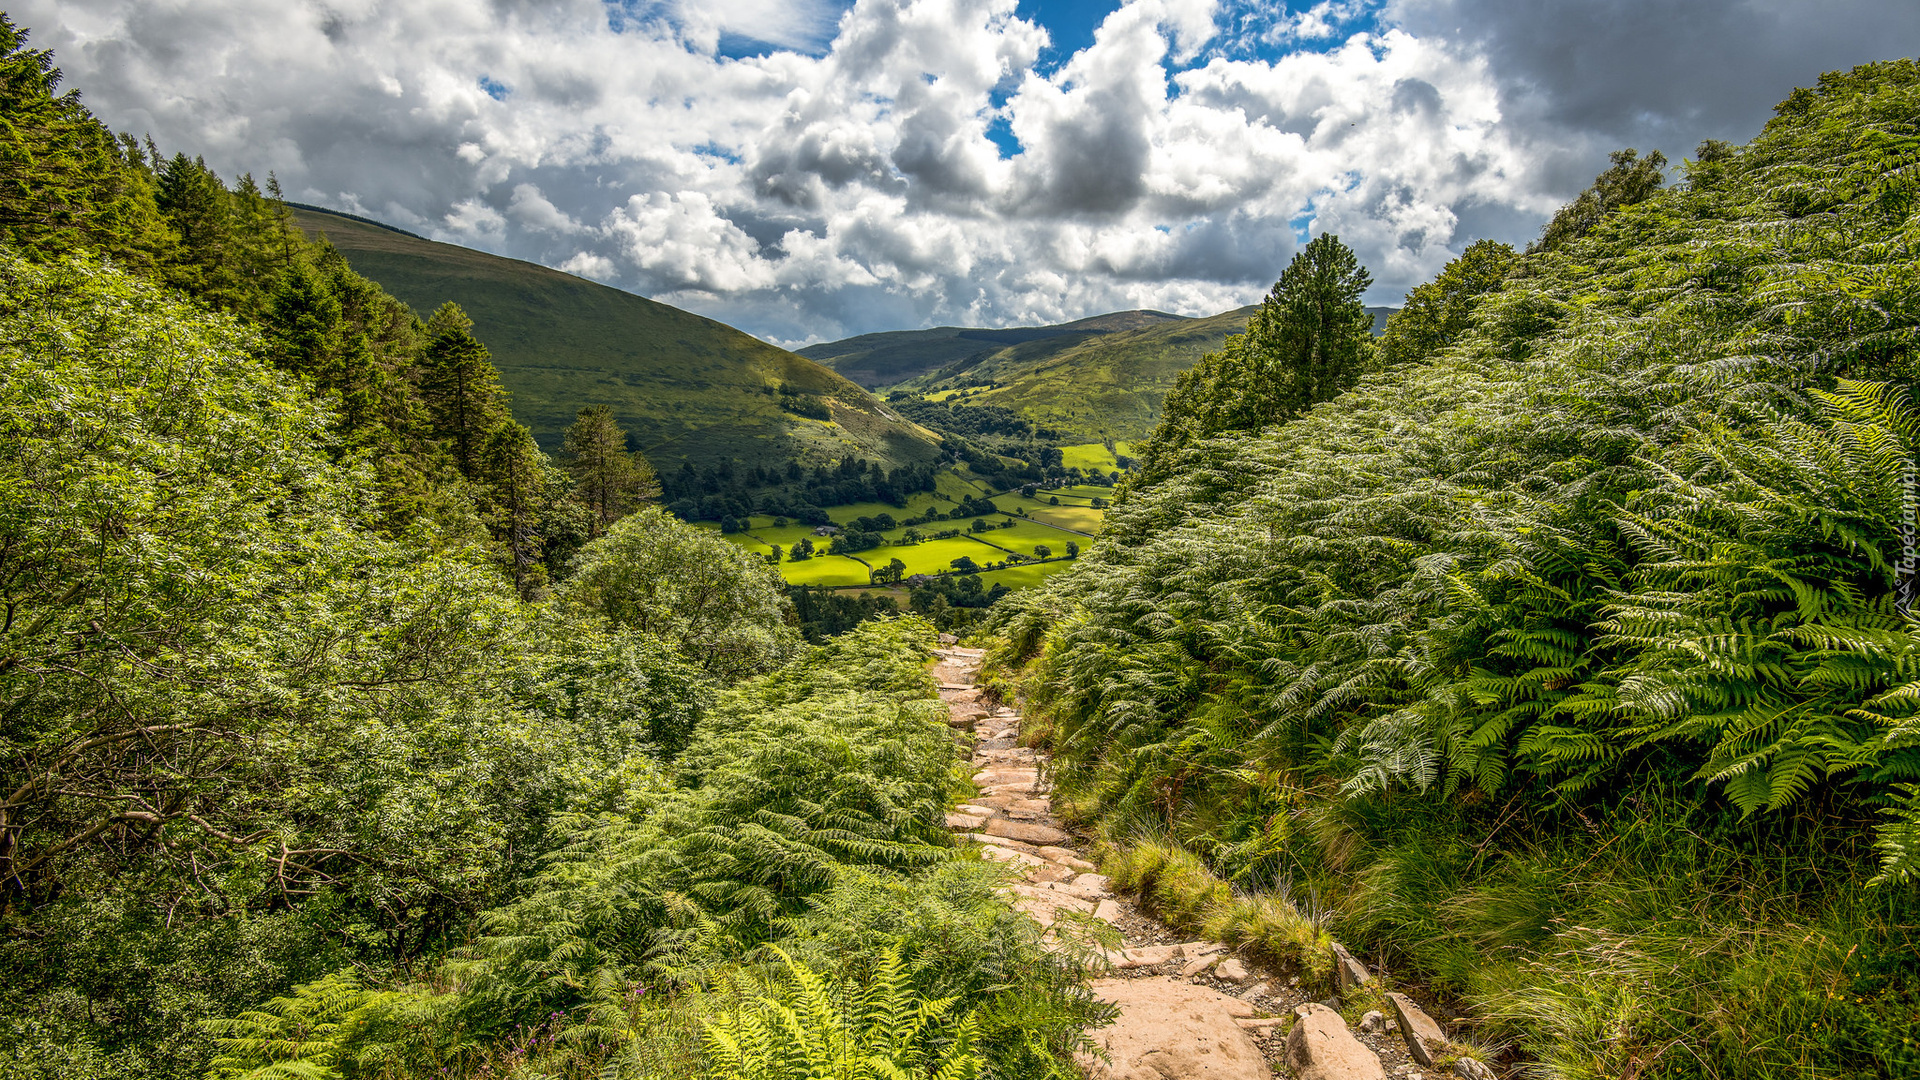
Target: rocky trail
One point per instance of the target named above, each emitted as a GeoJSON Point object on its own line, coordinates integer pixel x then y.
{"type": "Point", "coordinates": [1187, 1009]}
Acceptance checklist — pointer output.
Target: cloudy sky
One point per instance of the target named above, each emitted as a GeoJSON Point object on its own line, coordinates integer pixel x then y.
{"type": "Point", "coordinates": [810, 169]}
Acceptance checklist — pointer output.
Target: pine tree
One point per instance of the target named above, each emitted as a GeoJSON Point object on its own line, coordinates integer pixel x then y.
{"type": "Point", "coordinates": [461, 388]}
{"type": "Point", "coordinates": [512, 467]}
{"type": "Point", "coordinates": [608, 480]}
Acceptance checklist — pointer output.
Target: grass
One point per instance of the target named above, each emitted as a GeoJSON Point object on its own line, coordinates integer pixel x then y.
{"type": "Point", "coordinates": [1091, 456]}
{"type": "Point", "coordinates": [686, 387]}
{"type": "Point", "coordinates": [1025, 577]}
{"type": "Point", "coordinates": [934, 556]}
{"type": "Point", "coordinates": [826, 570]}
{"type": "Point", "coordinates": [1083, 491]}
{"type": "Point", "coordinates": [1025, 534]}
{"type": "Point", "coordinates": [1067, 515]}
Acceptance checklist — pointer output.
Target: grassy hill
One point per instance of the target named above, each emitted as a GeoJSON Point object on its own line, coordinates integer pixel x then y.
{"type": "Point", "coordinates": [893, 357]}
{"type": "Point", "coordinates": [1095, 378]}
{"type": "Point", "coordinates": [685, 386]}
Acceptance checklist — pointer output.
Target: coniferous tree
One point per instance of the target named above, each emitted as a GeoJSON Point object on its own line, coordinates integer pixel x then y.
{"type": "Point", "coordinates": [609, 481]}
{"type": "Point", "coordinates": [1310, 340]}
{"type": "Point", "coordinates": [511, 465]}
{"type": "Point", "coordinates": [460, 386]}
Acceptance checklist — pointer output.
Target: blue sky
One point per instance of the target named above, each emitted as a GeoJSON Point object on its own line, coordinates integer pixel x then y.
{"type": "Point", "coordinates": [811, 169]}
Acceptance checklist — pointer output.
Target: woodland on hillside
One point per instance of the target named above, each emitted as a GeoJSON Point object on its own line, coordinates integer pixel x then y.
{"type": "Point", "coordinates": [1559, 662]}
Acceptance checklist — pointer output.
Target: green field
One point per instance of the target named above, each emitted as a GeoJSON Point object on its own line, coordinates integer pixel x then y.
{"type": "Point", "coordinates": [1092, 456]}
{"type": "Point", "coordinates": [1024, 577]}
{"type": "Point", "coordinates": [1072, 513]}
{"type": "Point", "coordinates": [1026, 533]}
{"type": "Point", "coordinates": [934, 556]}
{"type": "Point", "coordinates": [826, 570]}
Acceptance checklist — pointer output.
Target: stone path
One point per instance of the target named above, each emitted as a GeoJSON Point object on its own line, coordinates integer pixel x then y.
{"type": "Point", "coordinates": [1188, 1009]}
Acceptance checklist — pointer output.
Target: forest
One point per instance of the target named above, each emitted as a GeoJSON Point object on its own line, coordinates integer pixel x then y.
{"type": "Point", "coordinates": [1556, 649]}
{"type": "Point", "coordinates": [1552, 649]}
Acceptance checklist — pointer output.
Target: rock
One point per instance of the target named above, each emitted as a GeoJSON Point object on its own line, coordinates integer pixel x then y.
{"type": "Point", "coordinates": [1191, 949]}
{"type": "Point", "coordinates": [1469, 1069]}
{"type": "Point", "coordinates": [1373, 1020]}
{"type": "Point", "coordinates": [1001, 841]}
{"type": "Point", "coordinates": [965, 822]}
{"type": "Point", "coordinates": [1293, 980]}
{"type": "Point", "coordinates": [1351, 972]}
{"type": "Point", "coordinates": [1321, 1048]}
{"type": "Point", "coordinates": [1066, 857]}
{"type": "Point", "coordinates": [1391, 1027]}
{"type": "Point", "coordinates": [1257, 990]}
{"type": "Point", "coordinates": [1171, 1030]}
{"type": "Point", "coordinates": [1019, 859]}
{"type": "Point", "coordinates": [1001, 777]}
{"type": "Point", "coordinates": [1109, 910]}
{"type": "Point", "coordinates": [965, 719]}
{"type": "Point", "coordinates": [1424, 1037]}
{"type": "Point", "coordinates": [1025, 831]}
{"type": "Point", "coordinates": [949, 639]}
{"type": "Point", "coordinates": [1197, 965]}
{"type": "Point", "coordinates": [1261, 1023]}
{"type": "Point", "coordinates": [1232, 970]}
{"type": "Point", "coordinates": [976, 810]}
{"type": "Point", "coordinates": [1047, 873]}
{"type": "Point", "coordinates": [1150, 956]}
{"type": "Point", "coordinates": [1096, 882]}
{"type": "Point", "coordinates": [1022, 787]}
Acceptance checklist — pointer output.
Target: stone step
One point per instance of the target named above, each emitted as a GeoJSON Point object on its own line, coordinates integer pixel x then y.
{"type": "Point", "coordinates": [1319, 1047]}
{"type": "Point", "coordinates": [1169, 1030]}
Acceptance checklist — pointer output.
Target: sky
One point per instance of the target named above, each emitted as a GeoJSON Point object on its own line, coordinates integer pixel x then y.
{"type": "Point", "coordinates": [812, 169]}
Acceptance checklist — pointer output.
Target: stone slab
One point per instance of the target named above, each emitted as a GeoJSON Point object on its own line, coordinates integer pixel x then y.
{"type": "Point", "coordinates": [1170, 1030]}
{"type": "Point", "coordinates": [1424, 1038]}
{"type": "Point", "coordinates": [1319, 1047]}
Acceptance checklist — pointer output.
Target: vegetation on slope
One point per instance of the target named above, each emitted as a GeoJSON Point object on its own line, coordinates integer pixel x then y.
{"type": "Point", "coordinates": [304, 773]}
{"type": "Point", "coordinates": [687, 388]}
{"type": "Point", "coordinates": [1560, 664]}
{"type": "Point", "coordinates": [896, 356]}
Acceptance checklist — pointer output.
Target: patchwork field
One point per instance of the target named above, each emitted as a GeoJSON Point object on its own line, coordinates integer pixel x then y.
{"type": "Point", "coordinates": [1026, 533]}
{"type": "Point", "coordinates": [1024, 577]}
{"type": "Point", "coordinates": [1092, 456]}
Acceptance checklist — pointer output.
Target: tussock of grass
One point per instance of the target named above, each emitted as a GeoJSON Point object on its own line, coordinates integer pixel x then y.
{"type": "Point", "coordinates": [1176, 885]}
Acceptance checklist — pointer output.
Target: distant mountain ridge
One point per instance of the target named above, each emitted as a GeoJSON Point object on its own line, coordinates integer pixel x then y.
{"type": "Point", "coordinates": [1094, 378]}
{"type": "Point", "coordinates": [687, 388]}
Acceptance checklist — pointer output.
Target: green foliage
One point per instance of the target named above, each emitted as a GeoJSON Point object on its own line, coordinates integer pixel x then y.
{"type": "Point", "coordinates": [1310, 340]}
{"type": "Point", "coordinates": [1613, 540]}
{"type": "Point", "coordinates": [611, 482]}
{"type": "Point", "coordinates": [715, 601]}
{"type": "Point", "coordinates": [810, 1026]}
{"type": "Point", "coordinates": [1630, 179]}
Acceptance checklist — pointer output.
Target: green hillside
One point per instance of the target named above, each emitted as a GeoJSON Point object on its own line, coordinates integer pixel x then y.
{"type": "Point", "coordinates": [1095, 378]}
{"type": "Point", "coordinates": [685, 386]}
{"type": "Point", "coordinates": [893, 357]}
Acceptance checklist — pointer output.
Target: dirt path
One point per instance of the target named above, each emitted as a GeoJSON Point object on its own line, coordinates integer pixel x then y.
{"type": "Point", "coordinates": [1189, 1009]}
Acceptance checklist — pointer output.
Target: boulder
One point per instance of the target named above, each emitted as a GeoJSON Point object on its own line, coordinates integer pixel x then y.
{"type": "Point", "coordinates": [1191, 949]}
{"type": "Point", "coordinates": [948, 639]}
{"type": "Point", "coordinates": [1095, 882]}
{"type": "Point", "coordinates": [998, 777]}
{"type": "Point", "coordinates": [1319, 1047]}
{"type": "Point", "coordinates": [1047, 873]}
{"type": "Point", "coordinates": [1109, 910]}
{"type": "Point", "coordinates": [1425, 1040]}
{"type": "Point", "coordinates": [1257, 990]}
{"type": "Point", "coordinates": [1020, 859]}
{"type": "Point", "coordinates": [1170, 1030]}
{"type": "Point", "coordinates": [1000, 841]}
{"type": "Point", "coordinates": [1372, 1020]}
{"type": "Point", "coordinates": [1232, 970]}
{"type": "Point", "coordinates": [965, 822]}
{"type": "Point", "coordinates": [1025, 831]}
{"type": "Point", "coordinates": [1351, 972]}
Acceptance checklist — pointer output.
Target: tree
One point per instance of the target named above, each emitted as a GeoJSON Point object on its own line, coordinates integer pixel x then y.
{"type": "Point", "coordinates": [511, 463]}
{"type": "Point", "coordinates": [1310, 341]}
{"type": "Point", "coordinates": [461, 387]}
{"type": "Point", "coordinates": [803, 549]}
{"type": "Point", "coordinates": [608, 480]}
{"type": "Point", "coordinates": [1436, 314]}
{"type": "Point", "coordinates": [965, 565]}
{"type": "Point", "coordinates": [1630, 179]}
{"type": "Point", "coordinates": [717, 604]}
{"type": "Point", "coordinates": [1043, 551]}
{"type": "Point", "coordinates": [1073, 549]}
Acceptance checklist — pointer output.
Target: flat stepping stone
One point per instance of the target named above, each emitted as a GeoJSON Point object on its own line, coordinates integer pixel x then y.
{"type": "Point", "coordinates": [965, 822]}
{"type": "Point", "coordinates": [1025, 831]}
{"type": "Point", "coordinates": [1424, 1038]}
{"type": "Point", "coordinates": [1069, 857]}
{"type": "Point", "coordinates": [1169, 1030]}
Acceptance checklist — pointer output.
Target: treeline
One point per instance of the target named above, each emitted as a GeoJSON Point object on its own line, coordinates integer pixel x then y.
{"type": "Point", "coordinates": [1554, 645]}
{"type": "Point", "coordinates": [732, 490]}
{"type": "Point", "coordinates": [318, 760]}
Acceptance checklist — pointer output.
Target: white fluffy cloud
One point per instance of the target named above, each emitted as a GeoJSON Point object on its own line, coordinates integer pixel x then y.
{"type": "Point", "coordinates": [856, 175]}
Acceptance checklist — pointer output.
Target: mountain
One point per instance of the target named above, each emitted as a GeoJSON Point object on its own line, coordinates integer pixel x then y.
{"type": "Point", "coordinates": [892, 357]}
{"type": "Point", "coordinates": [686, 387]}
{"type": "Point", "coordinates": [1095, 378]}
